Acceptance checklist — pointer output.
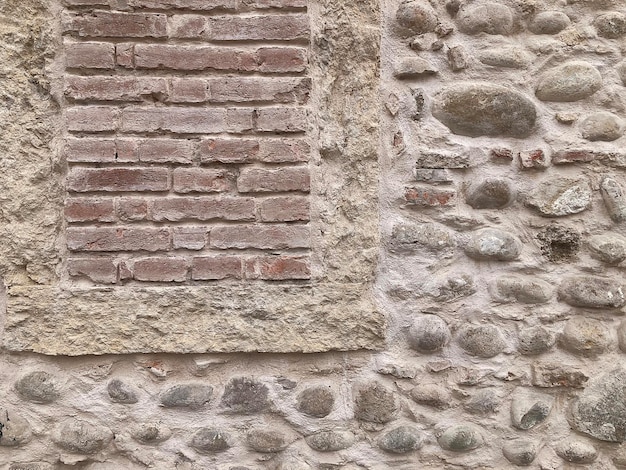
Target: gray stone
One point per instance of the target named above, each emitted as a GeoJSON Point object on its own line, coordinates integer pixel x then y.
{"type": "Point", "coordinates": [428, 333]}
{"type": "Point", "coordinates": [484, 109]}
{"type": "Point", "coordinates": [431, 395]}
{"type": "Point", "coordinates": [585, 337]}
{"type": "Point", "coordinates": [561, 197]}
{"type": "Point", "coordinates": [455, 287]}
{"type": "Point", "coordinates": [611, 25]}
{"type": "Point", "coordinates": [211, 440]}
{"type": "Point", "coordinates": [458, 58]}
{"type": "Point", "coordinates": [14, 429]}
{"type": "Point", "coordinates": [490, 18]}
{"type": "Point", "coordinates": [151, 433]}
{"type": "Point", "coordinates": [461, 438]}
{"type": "Point", "coordinates": [553, 375]}
{"type": "Point", "coordinates": [245, 395]}
{"type": "Point", "coordinates": [493, 244]}
{"type": "Point", "coordinates": [576, 451]}
{"type": "Point", "coordinates": [483, 402]}
{"type": "Point", "coordinates": [559, 244]}
{"type": "Point", "coordinates": [490, 193]}
{"type": "Point", "coordinates": [81, 437]}
{"type": "Point", "coordinates": [330, 441]}
{"type": "Point", "coordinates": [621, 71]}
{"type": "Point", "coordinates": [529, 409]}
{"type": "Point", "coordinates": [187, 396]}
{"type": "Point", "coordinates": [413, 67]}
{"type": "Point", "coordinates": [520, 452]}
{"type": "Point", "coordinates": [614, 199]}
{"type": "Point", "coordinates": [592, 292]}
{"type": "Point", "coordinates": [519, 289]}
{"type": "Point", "coordinates": [507, 57]}
{"type": "Point", "coordinates": [121, 392]}
{"type": "Point", "coordinates": [416, 17]}
{"type": "Point", "coordinates": [266, 441]}
{"type": "Point", "coordinates": [535, 340]}
{"type": "Point", "coordinates": [38, 387]}
{"type": "Point", "coordinates": [410, 237]}
{"type": "Point", "coordinates": [603, 126]}
{"type": "Point", "coordinates": [316, 401]}
{"type": "Point", "coordinates": [400, 440]}
{"type": "Point", "coordinates": [571, 81]}
{"type": "Point", "coordinates": [608, 247]}
{"type": "Point", "coordinates": [31, 466]}
{"type": "Point", "coordinates": [549, 22]}
{"type": "Point", "coordinates": [481, 340]}
{"type": "Point", "coordinates": [375, 403]}
{"type": "Point", "coordinates": [427, 158]}
{"type": "Point", "coordinates": [433, 175]}
{"type": "Point", "coordinates": [621, 336]}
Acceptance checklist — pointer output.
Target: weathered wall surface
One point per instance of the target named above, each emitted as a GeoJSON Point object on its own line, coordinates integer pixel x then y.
{"type": "Point", "coordinates": [495, 229]}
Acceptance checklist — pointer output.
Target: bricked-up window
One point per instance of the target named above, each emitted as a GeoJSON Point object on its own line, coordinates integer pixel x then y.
{"type": "Point", "coordinates": [191, 212]}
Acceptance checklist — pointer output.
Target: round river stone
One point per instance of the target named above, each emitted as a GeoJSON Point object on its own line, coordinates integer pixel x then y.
{"type": "Point", "coordinates": [571, 81]}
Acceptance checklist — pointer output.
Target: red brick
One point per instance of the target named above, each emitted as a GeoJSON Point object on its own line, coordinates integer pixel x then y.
{"type": "Point", "coordinates": [190, 238]}
{"type": "Point", "coordinates": [89, 55]}
{"type": "Point", "coordinates": [281, 59]}
{"type": "Point", "coordinates": [202, 208]}
{"type": "Point", "coordinates": [90, 150]}
{"type": "Point", "coordinates": [165, 151]}
{"type": "Point", "coordinates": [151, 56]}
{"type": "Point", "coordinates": [278, 268]}
{"type": "Point", "coordinates": [254, 180]}
{"type": "Point", "coordinates": [204, 5]}
{"type": "Point", "coordinates": [577, 156]}
{"type": "Point", "coordinates": [281, 120]}
{"type": "Point", "coordinates": [118, 25]}
{"type": "Point", "coordinates": [188, 90]}
{"type": "Point", "coordinates": [240, 119]}
{"type": "Point", "coordinates": [202, 180]}
{"type": "Point", "coordinates": [177, 120]}
{"type": "Point", "coordinates": [126, 150]}
{"type": "Point", "coordinates": [265, 27]}
{"type": "Point", "coordinates": [113, 88]}
{"type": "Point", "coordinates": [132, 209]}
{"type": "Point", "coordinates": [209, 268]}
{"type": "Point", "coordinates": [99, 270]}
{"type": "Point", "coordinates": [263, 237]}
{"type": "Point", "coordinates": [117, 239]}
{"type": "Point", "coordinates": [284, 209]}
{"type": "Point", "coordinates": [160, 269]}
{"type": "Point", "coordinates": [188, 27]}
{"type": "Point", "coordinates": [91, 119]}
{"type": "Point", "coordinates": [533, 159]}
{"type": "Point", "coordinates": [274, 89]}
{"type": "Point", "coordinates": [89, 210]}
{"type": "Point", "coordinates": [429, 197]}
{"type": "Point", "coordinates": [501, 155]}
{"type": "Point", "coordinates": [118, 179]}
{"type": "Point", "coordinates": [125, 54]}
{"type": "Point", "coordinates": [244, 150]}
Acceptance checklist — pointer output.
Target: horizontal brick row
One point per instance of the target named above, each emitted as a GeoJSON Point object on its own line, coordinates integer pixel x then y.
{"type": "Point", "coordinates": [159, 150]}
{"type": "Point", "coordinates": [199, 268]}
{"type": "Point", "coordinates": [197, 5]}
{"type": "Point", "coordinates": [137, 209]}
{"type": "Point", "coordinates": [189, 90]}
{"type": "Point", "coordinates": [153, 239]}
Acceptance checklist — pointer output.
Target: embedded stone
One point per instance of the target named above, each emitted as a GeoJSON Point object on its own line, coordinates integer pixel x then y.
{"type": "Point", "coordinates": [614, 199]}
{"type": "Point", "coordinates": [552, 375]}
{"type": "Point", "coordinates": [611, 25]}
{"type": "Point", "coordinates": [14, 429]}
{"type": "Point", "coordinates": [585, 336]}
{"type": "Point", "coordinates": [416, 17]}
{"type": "Point", "coordinates": [518, 289]}
{"type": "Point", "coordinates": [559, 244]}
{"type": "Point", "coordinates": [490, 193]}
{"type": "Point", "coordinates": [460, 438]}
{"type": "Point", "coordinates": [38, 387]}
{"type": "Point", "coordinates": [608, 247]}
{"type": "Point", "coordinates": [316, 401]}
{"type": "Point", "coordinates": [442, 159]}
{"type": "Point", "coordinates": [621, 336]}
{"type": "Point", "coordinates": [458, 58]}
{"type": "Point", "coordinates": [245, 395]}
{"type": "Point", "coordinates": [603, 126]}
{"type": "Point", "coordinates": [521, 452]}
{"type": "Point", "coordinates": [507, 57]}
{"type": "Point", "coordinates": [481, 340]}
{"type": "Point", "coordinates": [571, 81]}
{"type": "Point", "coordinates": [536, 159]}
{"type": "Point", "coordinates": [431, 395]}
{"type": "Point", "coordinates": [375, 403]}
{"type": "Point", "coordinates": [266, 441]}
{"type": "Point", "coordinates": [549, 22]}
{"type": "Point", "coordinates": [121, 392]}
{"type": "Point", "coordinates": [187, 396]}
{"type": "Point", "coordinates": [490, 18]}
{"type": "Point", "coordinates": [484, 402]}
{"type": "Point", "coordinates": [211, 440]}
{"type": "Point", "coordinates": [31, 466]}
{"type": "Point", "coordinates": [561, 197]}
{"type": "Point", "coordinates": [455, 287]}
{"type": "Point", "coordinates": [400, 440]}
{"type": "Point", "coordinates": [576, 451]}
{"type": "Point", "coordinates": [535, 340]}
{"type": "Point", "coordinates": [330, 441]}
{"type": "Point", "coordinates": [413, 67]}
{"type": "Point", "coordinates": [428, 333]}
{"type": "Point", "coordinates": [493, 244]}
{"type": "Point", "coordinates": [529, 409]}
{"type": "Point", "coordinates": [411, 237]}
{"type": "Point", "coordinates": [477, 109]}
{"type": "Point", "coordinates": [433, 175]}
{"type": "Point", "coordinates": [592, 292]}
{"type": "Point", "coordinates": [151, 433]}
{"type": "Point", "coordinates": [81, 437]}
{"type": "Point", "coordinates": [621, 71]}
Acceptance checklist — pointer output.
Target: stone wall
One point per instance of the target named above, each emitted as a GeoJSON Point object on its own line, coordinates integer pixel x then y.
{"type": "Point", "coordinates": [490, 235]}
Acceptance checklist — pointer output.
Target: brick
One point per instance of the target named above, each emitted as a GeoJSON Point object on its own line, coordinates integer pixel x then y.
{"type": "Point", "coordinates": [263, 237]}
{"type": "Point", "coordinates": [240, 120]}
{"type": "Point", "coordinates": [89, 210]}
{"type": "Point", "coordinates": [160, 269]}
{"type": "Point", "coordinates": [118, 25]}
{"type": "Point", "coordinates": [118, 179]}
{"type": "Point", "coordinates": [501, 155]}
{"type": "Point", "coordinates": [190, 238]}
{"type": "Point", "coordinates": [254, 180]}
{"type": "Point", "coordinates": [281, 120]}
{"type": "Point", "coordinates": [262, 89]}
{"type": "Point", "coordinates": [188, 90]}
{"type": "Point", "coordinates": [261, 28]}
{"type": "Point", "coordinates": [132, 209]}
{"type": "Point", "coordinates": [175, 57]}
{"type": "Point", "coordinates": [442, 159]}
{"type": "Point", "coordinates": [117, 239]}
{"type": "Point", "coordinates": [99, 270]}
{"type": "Point", "coordinates": [276, 3]}
{"type": "Point", "coordinates": [284, 209]}
{"type": "Point", "coordinates": [203, 5]}
{"type": "Point", "coordinates": [281, 59]}
{"type": "Point", "coordinates": [188, 27]}
{"type": "Point", "coordinates": [536, 159]}
{"type": "Point", "coordinates": [89, 55]}
{"type": "Point", "coordinates": [563, 157]}
{"type": "Point", "coordinates": [429, 197]}
{"type": "Point", "coordinates": [177, 120]}
{"type": "Point", "coordinates": [126, 150]}
{"type": "Point", "coordinates": [125, 55]}
{"type": "Point", "coordinates": [245, 150]}
{"type": "Point", "coordinates": [113, 88]}
{"type": "Point", "coordinates": [86, 3]}
{"type": "Point", "coordinates": [278, 268]}
{"type": "Point", "coordinates": [202, 180]}
{"type": "Point", "coordinates": [91, 119]}
{"type": "Point", "coordinates": [90, 150]}
{"type": "Point", "coordinates": [165, 151]}
{"type": "Point", "coordinates": [208, 268]}
{"type": "Point", "coordinates": [202, 208]}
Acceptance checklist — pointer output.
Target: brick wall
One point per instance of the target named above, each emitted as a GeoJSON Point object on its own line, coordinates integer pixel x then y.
{"type": "Point", "coordinates": [186, 140]}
